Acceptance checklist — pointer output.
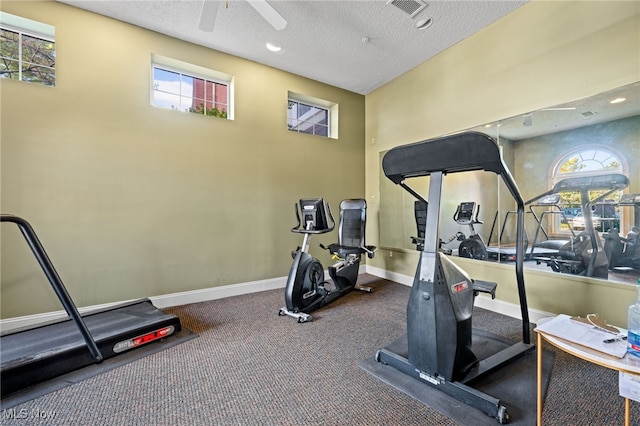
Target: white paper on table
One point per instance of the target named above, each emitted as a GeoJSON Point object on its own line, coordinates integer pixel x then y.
{"type": "Point", "coordinates": [583, 334]}
{"type": "Point", "coordinates": [629, 386]}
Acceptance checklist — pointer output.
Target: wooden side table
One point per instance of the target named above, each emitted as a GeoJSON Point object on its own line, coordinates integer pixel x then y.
{"type": "Point", "coordinates": [628, 364]}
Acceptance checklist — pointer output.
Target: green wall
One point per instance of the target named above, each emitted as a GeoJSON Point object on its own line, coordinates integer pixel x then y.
{"type": "Point", "coordinates": [135, 201]}
{"type": "Point", "coordinates": [544, 53]}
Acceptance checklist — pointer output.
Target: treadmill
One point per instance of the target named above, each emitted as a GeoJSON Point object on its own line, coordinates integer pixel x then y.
{"type": "Point", "coordinates": [584, 255]}
{"type": "Point", "coordinates": [547, 246]}
{"type": "Point", "coordinates": [505, 252]}
{"type": "Point", "coordinates": [34, 355]}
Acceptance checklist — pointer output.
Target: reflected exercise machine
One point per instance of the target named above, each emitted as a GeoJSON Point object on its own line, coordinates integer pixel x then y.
{"type": "Point", "coordinates": [584, 254]}
{"type": "Point", "coordinates": [550, 205]}
{"type": "Point", "coordinates": [306, 288]}
{"type": "Point", "coordinates": [439, 350]}
{"type": "Point", "coordinates": [420, 214]}
{"type": "Point", "coordinates": [624, 252]}
{"type": "Point", "coordinates": [472, 246]}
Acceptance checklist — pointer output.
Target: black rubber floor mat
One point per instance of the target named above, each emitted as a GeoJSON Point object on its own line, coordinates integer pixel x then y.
{"type": "Point", "coordinates": [514, 384]}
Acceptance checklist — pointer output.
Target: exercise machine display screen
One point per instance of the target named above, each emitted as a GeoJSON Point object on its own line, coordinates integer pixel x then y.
{"type": "Point", "coordinates": [313, 214]}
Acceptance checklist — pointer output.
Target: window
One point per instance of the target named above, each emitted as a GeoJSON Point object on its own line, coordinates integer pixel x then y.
{"type": "Point", "coordinates": [27, 50]}
{"type": "Point", "coordinates": [585, 162]}
{"type": "Point", "coordinates": [186, 87]}
{"type": "Point", "coordinates": [309, 119]}
{"type": "Point", "coordinates": [588, 161]}
{"type": "Point", "coordinates": [312, 116]}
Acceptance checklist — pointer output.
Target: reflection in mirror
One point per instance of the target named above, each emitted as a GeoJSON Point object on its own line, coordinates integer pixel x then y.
{"type": "Point", "coordinates": [578, 141]}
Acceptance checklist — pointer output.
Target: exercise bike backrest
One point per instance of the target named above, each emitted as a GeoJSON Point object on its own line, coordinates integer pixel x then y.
{"type": "Point", "coordinates": [315, 213]}
{"type": "Point", "coordinates": [353, 219]}
{"type": "Point", "coordinates": [351, 231]}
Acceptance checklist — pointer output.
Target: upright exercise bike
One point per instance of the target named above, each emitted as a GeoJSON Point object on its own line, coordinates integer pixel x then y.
{"type": "Point", "coordinates": [306, 288]}
{"type": "Point", "coordinates": [438, 350]}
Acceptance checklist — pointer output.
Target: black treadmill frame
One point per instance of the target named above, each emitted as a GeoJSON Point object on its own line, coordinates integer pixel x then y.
{"type": "Point", "coordinates": [57, 349]}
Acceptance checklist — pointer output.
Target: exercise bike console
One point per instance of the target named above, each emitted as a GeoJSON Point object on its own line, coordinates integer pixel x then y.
{"type": "Point", "coordinates": [314, 216]}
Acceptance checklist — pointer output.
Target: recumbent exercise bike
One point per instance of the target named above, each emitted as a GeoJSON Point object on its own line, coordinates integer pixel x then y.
{"type": "Point", "coordinates": [466, 214]}
{"type": "Point", "coordinates": [306, 288]}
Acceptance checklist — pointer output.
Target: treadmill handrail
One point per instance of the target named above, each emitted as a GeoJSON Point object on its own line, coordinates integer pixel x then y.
{"type": "Point", "coordinates": [609, 181]}
{"type": "Point", "coordinates": [55, 281]}
{"type": "Point", "coordinates": [462, 152]}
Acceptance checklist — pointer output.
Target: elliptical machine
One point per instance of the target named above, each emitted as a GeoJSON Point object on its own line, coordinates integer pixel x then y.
{"type": "Point", "coordinates": [306, 288]}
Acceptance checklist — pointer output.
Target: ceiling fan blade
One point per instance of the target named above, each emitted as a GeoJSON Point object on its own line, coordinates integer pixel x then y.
{"type": "Point", "coordinates": [269, 13]}
{"type": "Point", "coordinates": [208, 15]}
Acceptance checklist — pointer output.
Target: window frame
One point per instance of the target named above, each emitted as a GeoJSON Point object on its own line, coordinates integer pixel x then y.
{"type": "Point", "coordinates": [330, 107]}
{"type": "Point", "coordinates": [195, 72]}
{"type": "Point", "coordinates": [30, 28]}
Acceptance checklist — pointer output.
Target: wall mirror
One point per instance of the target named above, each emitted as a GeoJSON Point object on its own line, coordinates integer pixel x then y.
{"type": "Point", "coordinates": [576, 143]}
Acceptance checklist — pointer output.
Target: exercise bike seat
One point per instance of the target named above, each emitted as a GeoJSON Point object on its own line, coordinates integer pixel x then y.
{"type": "Point", "coordinates": [351, 230]}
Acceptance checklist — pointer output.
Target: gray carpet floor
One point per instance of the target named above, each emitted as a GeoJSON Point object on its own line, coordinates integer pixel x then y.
{"type": "Point", "coordinates": [248, 366]}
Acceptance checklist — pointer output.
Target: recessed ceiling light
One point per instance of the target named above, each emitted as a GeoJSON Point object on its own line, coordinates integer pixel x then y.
{"type": "Point", "coordinates": [617, 100]}
{"type": "Point", "coordinates": [274, 47]}
{"type": "Point", "coordinates": [423, 24]}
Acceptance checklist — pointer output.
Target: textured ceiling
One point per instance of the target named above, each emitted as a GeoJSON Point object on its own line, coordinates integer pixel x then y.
{"type": "Point", "coordinates": [323, 40]}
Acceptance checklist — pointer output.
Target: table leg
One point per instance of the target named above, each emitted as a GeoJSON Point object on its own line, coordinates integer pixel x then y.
{"type": "Point", "coordinates": [539, 381]}
{"type": "Point", "coordinates": [627, 412]}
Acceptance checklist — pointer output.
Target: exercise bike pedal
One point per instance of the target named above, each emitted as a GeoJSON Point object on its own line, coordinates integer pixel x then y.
{"type": "Point", "coordinates": [300, 316]}
{"type": "Point", "coordinates": [322, 291]}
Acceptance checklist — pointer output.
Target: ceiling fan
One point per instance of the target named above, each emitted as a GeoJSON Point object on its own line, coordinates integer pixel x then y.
{"type": "Point", "coordinates": [210, 11]}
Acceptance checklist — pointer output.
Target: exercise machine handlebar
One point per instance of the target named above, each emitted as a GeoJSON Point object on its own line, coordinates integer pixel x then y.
{"type": "Point", "coordinates": [611, 182]}
{"type": "Point", "coordinates": [55, 281]}
{"type": "Point", "coordinates": [473, 151]}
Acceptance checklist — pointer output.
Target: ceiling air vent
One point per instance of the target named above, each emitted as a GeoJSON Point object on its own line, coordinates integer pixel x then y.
{"type": "Point", "coordinates": [410, 7]}
{"type": "Point", "coordinates": [587, 114]}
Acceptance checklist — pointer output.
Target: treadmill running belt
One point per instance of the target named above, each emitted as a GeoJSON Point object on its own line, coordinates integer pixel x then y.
{"type": "Point", "coordinates": [38, 354]}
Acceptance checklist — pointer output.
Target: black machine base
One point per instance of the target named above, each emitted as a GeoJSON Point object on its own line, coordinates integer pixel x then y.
{"type": "Point", "coordinates": [471, 390]}
{"type": "Point", "coordinates": [36, 355]}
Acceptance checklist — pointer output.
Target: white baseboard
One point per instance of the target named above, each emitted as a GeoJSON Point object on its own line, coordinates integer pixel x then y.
{"type": "Point", "coordinates": [8, 324]}
{"type": "Point", "coordinates": [485, 302]}
{"type": "Point", "coordinates": [162, 301]}
{"type": "Point", "coordinates": [391, 276]}
{"type": "Point", "coordinates": [213, 293]}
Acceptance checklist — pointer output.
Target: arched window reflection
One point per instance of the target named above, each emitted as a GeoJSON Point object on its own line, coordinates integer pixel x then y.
{"type": "Point", "coordinates": [588, 161]}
